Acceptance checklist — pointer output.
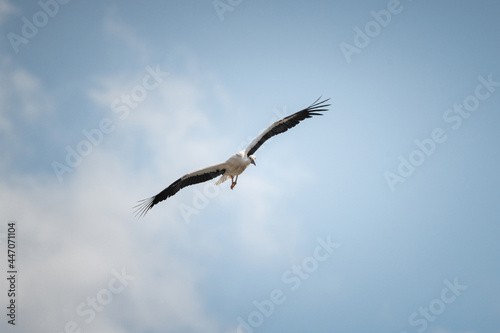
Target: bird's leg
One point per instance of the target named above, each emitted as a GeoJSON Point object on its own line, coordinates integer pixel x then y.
{"type": "Point", "coordinates": [233, 182]}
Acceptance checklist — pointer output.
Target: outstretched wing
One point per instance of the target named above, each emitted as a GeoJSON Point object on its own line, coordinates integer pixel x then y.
{"type": "Point", "coordinates": [192, 178]}
{"type": "Point", "coordinates": [286, 123]}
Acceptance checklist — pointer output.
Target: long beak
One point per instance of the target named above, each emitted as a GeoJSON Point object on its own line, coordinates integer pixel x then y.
{"type": "Point", "coordinates": [253, 162]}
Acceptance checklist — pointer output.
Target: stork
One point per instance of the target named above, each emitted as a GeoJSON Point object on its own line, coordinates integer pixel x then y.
{"type": "Point", "coordinates": [236, 164]}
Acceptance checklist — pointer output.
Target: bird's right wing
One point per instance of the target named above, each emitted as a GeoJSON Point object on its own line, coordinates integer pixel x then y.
{"type": "Point", "coordinates": [192, 178]}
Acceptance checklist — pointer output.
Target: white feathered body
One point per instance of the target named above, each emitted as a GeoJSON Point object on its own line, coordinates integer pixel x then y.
{"type": "Point", "coordinates": [235, 166]}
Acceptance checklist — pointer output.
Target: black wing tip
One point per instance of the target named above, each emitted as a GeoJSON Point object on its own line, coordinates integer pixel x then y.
{"type": "Point", "coordinates": [318, 106]}
{"type": "Point", "coordinates": [143, 207]}
{"type": "Point", "coordinates": [317, 101]}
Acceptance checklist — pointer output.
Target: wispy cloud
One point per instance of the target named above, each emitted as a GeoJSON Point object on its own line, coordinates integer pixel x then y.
{"type": "Point", "coordinates": [26, 108]}
{"type": "Point", "coordinates": [117, 30]}
{"type": "Point", "coordinates": [83, 230]}
{"type": "Point", "coordinates": [22, 95]}
{"type": "Point", "coordinates": [6, 9]}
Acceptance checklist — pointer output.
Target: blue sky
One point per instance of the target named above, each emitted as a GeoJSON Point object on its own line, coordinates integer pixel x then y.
{"type": "Point", "coordinates": [380, 216]}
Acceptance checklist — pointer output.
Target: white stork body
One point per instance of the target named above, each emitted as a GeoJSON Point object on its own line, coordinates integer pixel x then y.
{"type": "Point", "coordinates": [237, 163]}
{"type": "Point", "coordinates": [234, 166]}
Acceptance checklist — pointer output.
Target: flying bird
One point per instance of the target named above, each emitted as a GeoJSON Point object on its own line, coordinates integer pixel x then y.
{"type": "Point", "coordinates": [237, 163]}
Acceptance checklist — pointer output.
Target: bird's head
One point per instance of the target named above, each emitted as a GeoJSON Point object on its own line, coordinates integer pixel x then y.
{"type": "Point", "coordinates": [252, 159]}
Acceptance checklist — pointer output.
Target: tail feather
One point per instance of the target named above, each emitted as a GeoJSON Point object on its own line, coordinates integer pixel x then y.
{"type": "Point", "coordinates": [222, 179]}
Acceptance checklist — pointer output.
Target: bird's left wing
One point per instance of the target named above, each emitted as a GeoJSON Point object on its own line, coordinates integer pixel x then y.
{"type": "Point", "coordinates": [286, 123]}
{"type": "Point", "coordinates": [189, 179]}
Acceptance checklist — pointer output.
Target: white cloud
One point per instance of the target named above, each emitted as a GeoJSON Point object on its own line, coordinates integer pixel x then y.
{"type": "Point", "coordinates": [6, 9]}
{"type": "Point", "coordinates": [119, 31]}
{"type": "Point", "coordinates": [75, 233]}
{"type": "Point", "coordinates": [25, 108]}
{"type": "Point", "coordinates": [21, 95]}
{"type": "Point", "coordinates": [72, 236]}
